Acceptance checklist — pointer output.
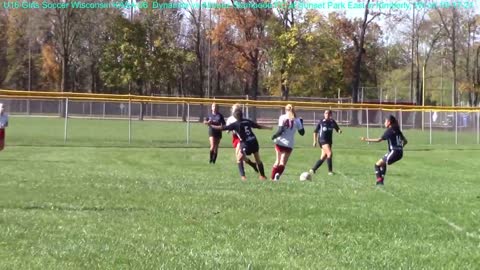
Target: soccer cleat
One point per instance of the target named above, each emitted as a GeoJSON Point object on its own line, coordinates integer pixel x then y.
{"type": "Point", "coordinates": [379, 181]}
{"type": "Point", "coordinates": [330, 173]}
{"type": "Point", "coordinates": [311, 172]}
{"type": "Point", "coordinates": [244, 178]}
{"type": "Point", "coordinates": [261, 177]}
{"type": "Point", "coordinates": [276, 177]}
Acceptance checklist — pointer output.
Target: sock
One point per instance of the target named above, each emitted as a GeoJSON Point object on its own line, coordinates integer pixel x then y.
{"type": "Point", "coordinates": [211, 156]}
{"type": "Point", "coordinates": [241, 169]}
{"type": "Point", "coordinates": [281, 168]}
{"type": "Point", "coordinates": [274, 171]}
{"type": "Point", "coordinates": [330, 164]}
{"type": "Point", "coordinates": [383, 170]}
{"type": "Point", "coordinates": [252, 164]}
{"type": "Point", "coordinates": [378, 173]}
{"type": "Point", "coordinates": [214, 157]}
{"type": "Point", "coordinates": [260, 169]}
{"type": "Point", "coordinates": [317, 165]}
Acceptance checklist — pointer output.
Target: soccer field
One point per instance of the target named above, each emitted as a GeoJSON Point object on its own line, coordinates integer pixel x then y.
{"type": "Point", "coordinates": [98, 202]}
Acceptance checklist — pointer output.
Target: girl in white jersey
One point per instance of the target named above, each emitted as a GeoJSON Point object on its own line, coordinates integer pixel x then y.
{"type": "Point", "coordinates": [3, 125]}
{"type": "Point", "coordinates": [284, 139]}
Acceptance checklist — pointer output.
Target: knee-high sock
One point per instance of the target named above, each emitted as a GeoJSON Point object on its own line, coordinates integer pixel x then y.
{"type": "Point", "coordinates": [330, 164]}
{"type": "Point", "coordinates": [274, 171]}
{"type": "Point", "coordinates": [215, 156]}
{"type": "Point", "coordinates": [241, 169]}
{"type": "Point", "coordinates": [383, 170]}
{"type": "Point", "coordinates": [317, 165]}
{"type": "Point", "coordinates": [281, 168]}
{"type": "Point", "coordinates": [211, 156]}
{"type": "Point", "coordinates": [378, 173]}
{"type": "Point", "coordinates": [261, 169]}
{"type": "Point", "coordinates": [252, 164]}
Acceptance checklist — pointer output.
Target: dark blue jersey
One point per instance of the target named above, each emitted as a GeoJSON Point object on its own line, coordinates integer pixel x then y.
{"type": "Point", "coordinates": [394, 137]}
{"type": "Point", "coordinates": [217, 120]}
{"type": "Point", "coordinates": [325, 130]}
{"type": "Point", "coordinates": [243, 128]}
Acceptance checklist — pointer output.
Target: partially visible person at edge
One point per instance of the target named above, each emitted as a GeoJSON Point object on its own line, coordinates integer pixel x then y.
{"type": "Point", "coordinates": [284, 140]}
{"type": "Point", "coordinates": [3, 125]}
{"type": "Point", "coordinates": [236, 139]}
{"type": "Point", "coordinates": [396, 141]}
{"type": "Point", "coordinates": [214, 136]}
{"type": "Point", "coordinates": [323, 135]}
{"type": "Point", "coordinates": [248, 141]}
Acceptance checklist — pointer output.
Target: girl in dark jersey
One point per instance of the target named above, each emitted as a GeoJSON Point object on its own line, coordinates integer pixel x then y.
{"type": "Point", "coordinates": [323, 134]}
{"type": "Point", "coordinates": [396, 141]}
{"type": "Point", "coordinates": [248, 141]}
{"type": "Point", "coordinates": [214, 118]}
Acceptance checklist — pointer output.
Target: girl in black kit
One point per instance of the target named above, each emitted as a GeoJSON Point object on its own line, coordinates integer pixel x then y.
{"type": "Point", "coordinates": [214, 118]}
{"type": "Point", "coordinates": [396, 141]}
{"type": "Point", "coordinates": [248, 141]}
{"type": "Point", "coordinates": [323, 134]}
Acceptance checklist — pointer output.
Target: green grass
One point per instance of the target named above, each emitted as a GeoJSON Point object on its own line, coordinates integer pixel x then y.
{"type": "Point", "coordinates": [98, 202]}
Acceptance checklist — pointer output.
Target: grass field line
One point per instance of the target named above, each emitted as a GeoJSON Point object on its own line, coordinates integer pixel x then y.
{"type": "Point", "coordinates": [428, 212]}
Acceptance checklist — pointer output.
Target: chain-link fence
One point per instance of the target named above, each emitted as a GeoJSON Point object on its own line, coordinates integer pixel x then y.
{"type": "Point", "coordinates": [446, 127]}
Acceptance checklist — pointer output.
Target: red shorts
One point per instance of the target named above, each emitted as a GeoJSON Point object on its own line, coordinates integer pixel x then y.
{"type": "Point", "coordinates": [235, 141]}
{"type": "Point", "coordinates": [283, 149]}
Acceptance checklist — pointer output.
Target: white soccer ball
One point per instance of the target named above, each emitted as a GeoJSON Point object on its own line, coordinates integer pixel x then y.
{"type": "Point", "coordinates": [305, 176]}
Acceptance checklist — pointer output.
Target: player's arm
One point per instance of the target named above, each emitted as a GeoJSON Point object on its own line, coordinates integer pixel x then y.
{"type": "Point", "coordinates": [207, 121]}
{"type": "Point", "coordinates": [279, 132]}
{"type": "Point", "coordinates": [371, 140]}
{"type": "Point", "coordinates": [257, 125]}
{"type": "Point", "coordinates": [301, 130]}
{"type": "Point", "coordinates": [315, 134]}
{"type": "Point", "coordinates": [404, 139]}
{"type": "Point", "coordinates": [336, 127]}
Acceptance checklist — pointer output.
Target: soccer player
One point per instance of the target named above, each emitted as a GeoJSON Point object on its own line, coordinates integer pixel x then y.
{"type": "Point", "coordinates": [3, 125]}
{"type": "Point", "coordinates": [323, 134]}
{"type": "Point", "coordinates": [284, 139]}
{"type": "Point", "coordinates": [396, 141]}
{"type": "Point", "coordinates": [236, 139]}
{"type": "Point", "coordinates": [215, 118]}
{"type": "Point", "coordinates": [248, 141]}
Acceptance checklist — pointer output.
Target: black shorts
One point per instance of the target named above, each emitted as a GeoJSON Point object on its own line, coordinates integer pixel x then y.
{"type": "Point", "coordinates": [250, 147]}
{"type": "Point", "coordinates": [324, 142]}
{"type": "Point", "coordinates": [214, 133]}
{"type": "Point", "coordinates": [393, 156]}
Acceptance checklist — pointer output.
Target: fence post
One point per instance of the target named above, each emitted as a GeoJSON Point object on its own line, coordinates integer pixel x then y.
{"type": "Point", "coordinates": [368, 133]}
{"type": "Point", "coordinates": [430, 126]}
{"type": "Point", "coordinates": [129, 119]}
{"type": "Point", "coordinates": [478, 128]}
{"type": "Point", "coordinates": [104, 110]}
{"type": "Point", "coordinates": [401, 119]}
{"type": "Point", "coordinates": [66, 121]}
{"type": "Point", "coordinates": [456, 127]}
{"type": "Point", "coordinates": [188, 123]}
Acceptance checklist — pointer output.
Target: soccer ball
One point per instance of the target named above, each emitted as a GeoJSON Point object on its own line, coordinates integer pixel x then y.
{"type": "Point", "coordinates": [305, 176]}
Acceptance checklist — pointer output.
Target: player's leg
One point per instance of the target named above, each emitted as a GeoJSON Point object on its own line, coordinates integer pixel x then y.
{"type": "Point", "coordinates": [259, 165]}
{"type": "Point", "coordinates": [283, 161]}
{"type": "Point", "coordinates": [240, 156]}
{"type": "Point", "coordinates": [246, 159]}
{"type": "Point", "coordinates": [378, 170]}
{"type": "Point", "coordinates": [319, 162]}
{"type": "Point", "coordinates": [327, 148]}
{"type": "Point", "coordinates": [211, 139]}
{"type": "Point", "coordinates": [2, 139]}
{"type": "Point", "coordinates": [389, 159]}
{"type": "Point", "coordinates": [274, 173]}
{"type": "Point", "coordinates": [216, 143]}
